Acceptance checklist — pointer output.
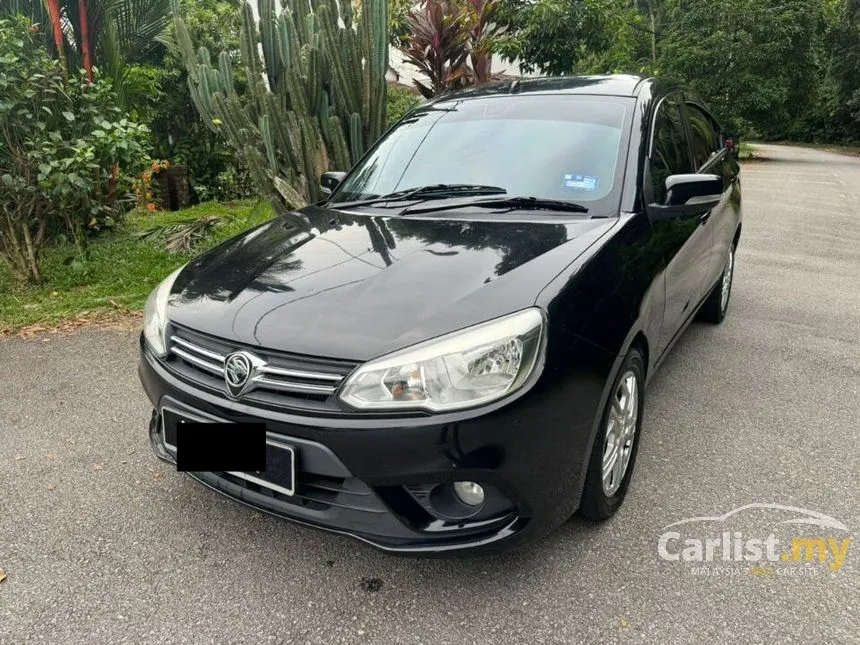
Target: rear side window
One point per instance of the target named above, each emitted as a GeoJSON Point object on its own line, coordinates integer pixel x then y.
{"type": "Point", "coordinates": [704, 136]}
{"type": "Point", "coordinates": [670, 154]}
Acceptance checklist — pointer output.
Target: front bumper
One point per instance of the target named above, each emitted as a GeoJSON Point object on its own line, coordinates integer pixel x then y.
{"type": "Point", "coordinates": [364, 476]}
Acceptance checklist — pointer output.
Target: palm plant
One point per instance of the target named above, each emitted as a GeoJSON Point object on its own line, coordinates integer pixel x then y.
{"type": "Point", "coordinates": [181, 235]}
{"type": "Point", "coordinates": [108, 34]}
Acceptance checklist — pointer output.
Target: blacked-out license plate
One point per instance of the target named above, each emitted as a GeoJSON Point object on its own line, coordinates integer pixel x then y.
{"type": "Point", "coordinates": [240, 449]}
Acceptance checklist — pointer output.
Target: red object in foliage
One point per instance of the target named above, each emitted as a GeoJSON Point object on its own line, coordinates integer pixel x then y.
{"type": "Point", "coordinates": [85, 40]}
{"type": "Point", "coordinates": [54, 13]}
{"type": "Point", "coordinates": [482, 33]}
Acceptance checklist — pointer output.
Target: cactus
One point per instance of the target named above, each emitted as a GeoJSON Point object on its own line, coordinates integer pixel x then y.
{"type": "Point", "coordinates": [314, 101]}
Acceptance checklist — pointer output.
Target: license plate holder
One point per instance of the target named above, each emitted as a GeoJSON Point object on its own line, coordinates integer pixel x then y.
{"type": "Point", "coordinates": [280, 473]}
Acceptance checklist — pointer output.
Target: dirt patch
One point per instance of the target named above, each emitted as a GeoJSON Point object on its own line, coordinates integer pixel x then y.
{"type": "Point", "coordinates": [107, 319]}
{"type": "Point", "coordinates": [754, 159]}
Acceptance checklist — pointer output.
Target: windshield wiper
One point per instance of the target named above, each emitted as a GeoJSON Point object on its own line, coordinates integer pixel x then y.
{"type": "Point", "coordinates": [436, 191]}
{"type": "Point", "coordinates": [510, 203]}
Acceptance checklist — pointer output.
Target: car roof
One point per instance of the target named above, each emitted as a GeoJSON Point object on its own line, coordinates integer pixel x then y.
{"type": "Point", "coordinates": [607, 85]}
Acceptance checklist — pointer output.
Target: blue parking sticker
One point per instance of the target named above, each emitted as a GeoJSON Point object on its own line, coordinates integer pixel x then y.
{"type": "Point", "coordinates": [581, 182]}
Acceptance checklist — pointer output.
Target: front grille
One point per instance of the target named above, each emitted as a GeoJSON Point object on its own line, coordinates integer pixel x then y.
{"type": "Point", "coordinates": [286, 380]}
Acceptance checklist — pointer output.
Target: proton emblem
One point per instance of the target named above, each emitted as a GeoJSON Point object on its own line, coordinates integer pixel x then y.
{"type": "Point", "coordinates": [239, 371]}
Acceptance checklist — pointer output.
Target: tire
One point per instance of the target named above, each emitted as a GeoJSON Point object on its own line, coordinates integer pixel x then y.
{"type": "Point", "coordinates": [716, 306]}
{"type": "Point", "coordinates": [605, 490]}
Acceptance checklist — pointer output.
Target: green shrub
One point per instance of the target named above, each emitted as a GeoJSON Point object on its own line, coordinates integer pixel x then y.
{"type": "Point", "coordinates": [67, 150]}
{"type": "Point", "coordinates": [400, 101]}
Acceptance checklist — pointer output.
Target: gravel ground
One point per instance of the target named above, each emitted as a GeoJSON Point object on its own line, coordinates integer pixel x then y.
{"type": "Point", "coordinates": [101, 543]}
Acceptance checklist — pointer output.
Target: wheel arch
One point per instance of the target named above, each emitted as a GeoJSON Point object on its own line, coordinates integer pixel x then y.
{"type": "Point", "coordinates": [636, 338]}
{"type": "Point", "coordinates": [640, 341]}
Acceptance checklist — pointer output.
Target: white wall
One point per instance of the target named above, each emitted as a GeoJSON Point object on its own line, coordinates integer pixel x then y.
{"type": "Point", "coordinates": [407, 72]}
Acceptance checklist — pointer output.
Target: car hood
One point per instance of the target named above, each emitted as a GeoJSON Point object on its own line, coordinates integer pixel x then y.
{"type": "Point", "coordinates": [326, 283]}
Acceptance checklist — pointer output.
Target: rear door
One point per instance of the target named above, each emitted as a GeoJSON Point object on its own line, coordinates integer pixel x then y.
{"type": "Point", "coordinates": [685, 241]}
{"type": "Point", "coordinates": [710, 156]}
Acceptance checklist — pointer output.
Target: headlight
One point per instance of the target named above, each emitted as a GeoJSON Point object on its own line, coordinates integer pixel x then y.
{"type": "Point", "coordinates": [155, 314]}
{"type": "Point", "coordinates": [460, 370]}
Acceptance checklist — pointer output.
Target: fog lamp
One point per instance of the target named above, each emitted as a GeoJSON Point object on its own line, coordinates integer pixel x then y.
{"type": "Point", "coordinates": [469, 493]}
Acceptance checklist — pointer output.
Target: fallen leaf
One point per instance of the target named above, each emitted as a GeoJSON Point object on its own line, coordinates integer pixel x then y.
{"type": "Point", "coordinates": [107, 318]}
{"type": "Point", "coordinates": [51, 487]}
{"type": "Point", "coordinates": [2, 575]}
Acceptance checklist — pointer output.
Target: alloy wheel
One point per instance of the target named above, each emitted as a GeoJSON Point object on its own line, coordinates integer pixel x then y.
{"type": "Point", "coordinates": [727, 280]}
{"type": "Point", "coordinates": [620, 432]}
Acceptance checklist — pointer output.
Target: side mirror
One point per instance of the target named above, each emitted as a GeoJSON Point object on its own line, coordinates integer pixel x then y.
{"type": "Point", "coordinates": [688, 195]}
{"type": "Point", "coordinates": [732, 144]}
{"type": "Point", "coordinates": [329, 181]}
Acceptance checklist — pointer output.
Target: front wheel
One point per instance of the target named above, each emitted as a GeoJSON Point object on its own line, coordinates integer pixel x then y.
{"type": "Point", "coordinates": [616, 444]}
{"type": "Point", "coordinates": [715, 307]}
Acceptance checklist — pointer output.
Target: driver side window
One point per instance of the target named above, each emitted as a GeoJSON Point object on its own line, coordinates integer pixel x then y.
{"type": "Point", "coordinates": [670, 154]}
{"type": "Point", "coordinates": [704, 135]}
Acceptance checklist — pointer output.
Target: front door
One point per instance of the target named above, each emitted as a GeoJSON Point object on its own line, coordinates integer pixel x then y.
{"type": "Point", "coordinates": [685, 240]}
{"type": "Point", "coordinates": [710, 156]}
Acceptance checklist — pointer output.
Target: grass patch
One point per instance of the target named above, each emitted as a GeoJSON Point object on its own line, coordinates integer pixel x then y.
{"type": "Point", "coordinates": [400, 101]}
{"type": "Point", "coordinates": [119, 272]}
{"type": "Point", "coordinates": [747, 151]}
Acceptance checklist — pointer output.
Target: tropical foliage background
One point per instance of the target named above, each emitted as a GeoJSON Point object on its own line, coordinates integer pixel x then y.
{"type": "Point", "coordinates": [111, 106]}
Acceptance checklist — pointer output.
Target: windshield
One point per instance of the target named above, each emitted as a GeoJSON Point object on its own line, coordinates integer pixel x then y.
{"type": "Point", "coordinates": [552, 146]}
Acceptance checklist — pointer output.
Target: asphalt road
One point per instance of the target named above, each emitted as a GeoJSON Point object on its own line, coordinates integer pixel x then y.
{"type": "Point", "coordinates": [103, 544]}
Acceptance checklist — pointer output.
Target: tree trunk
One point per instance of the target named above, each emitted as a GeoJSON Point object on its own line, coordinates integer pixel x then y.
{"type": "Point", "coordinates": [111, 194]}
{"type": "Point", "coordinates": [651, 12]}
{"type": "Point", "coordinates": [17, 247]}
{"type": "Point", "coordinates": [9, 251]}
{"type": "Point", "coordinates": [85, 40]}
{"type": "Point", "coordinates": [18, 273]}
{"type": "Point", "coordinates": [32, 253]}
{"type": "Point", "coordinates": [54, 12]}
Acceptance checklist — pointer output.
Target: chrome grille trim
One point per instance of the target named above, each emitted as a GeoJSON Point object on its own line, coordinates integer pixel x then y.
{"type": "Point", "coordinates": [317, 376]}
{"type": "Point", "coordinates": [269, 377]}
{"type": "Point", "coordinates": [290, 386]}
{"type": "Point", "coordinates": [198, 350]}
{"type": "Point", "coordinates": [199, 362]}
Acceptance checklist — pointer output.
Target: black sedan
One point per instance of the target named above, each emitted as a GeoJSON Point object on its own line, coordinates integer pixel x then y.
{"type": "Point", "coordinates": [452, 351]}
